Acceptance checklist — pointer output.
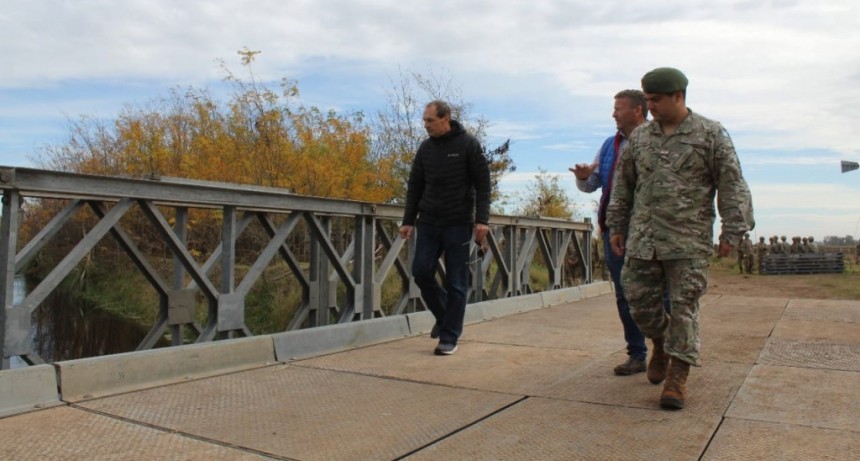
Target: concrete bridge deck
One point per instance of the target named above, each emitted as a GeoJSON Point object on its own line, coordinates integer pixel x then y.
{"type": "Point", "coordinates": [781, 380]}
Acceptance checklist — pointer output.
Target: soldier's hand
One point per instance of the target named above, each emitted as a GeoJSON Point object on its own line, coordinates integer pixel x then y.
{"type": "Point", "coordinates": [616, 242]}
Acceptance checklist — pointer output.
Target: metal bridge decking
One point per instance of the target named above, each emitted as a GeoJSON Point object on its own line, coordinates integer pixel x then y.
{"type": "Point", "coordinates": [780, 380]}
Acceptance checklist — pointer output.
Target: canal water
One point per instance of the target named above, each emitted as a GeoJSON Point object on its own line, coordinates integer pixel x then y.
{"type": "Point", "coordinates": [63, 330]}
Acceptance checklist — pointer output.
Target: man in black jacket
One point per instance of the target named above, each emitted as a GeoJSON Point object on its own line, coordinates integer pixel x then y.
{"type": "Point", "coordinates": [449, 194]}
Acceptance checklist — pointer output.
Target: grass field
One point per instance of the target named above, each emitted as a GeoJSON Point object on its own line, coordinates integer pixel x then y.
{"type": "Point", "coordinates": [724, 278]}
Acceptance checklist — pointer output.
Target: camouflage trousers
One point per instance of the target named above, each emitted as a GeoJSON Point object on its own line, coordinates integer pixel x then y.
{"type": "Point", "coordinates": [643, 282]}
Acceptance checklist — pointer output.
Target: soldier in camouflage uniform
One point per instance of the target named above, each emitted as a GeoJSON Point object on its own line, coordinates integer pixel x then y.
{"type": "Point", "coordinates": [775, 247]}
{"type": "Point", "coordinates": [813, 245]}
{"type": "Point", "coordinates": [795, 246]}
{"type": "Point", "coordinates": [745, 255]}
{"type": "Point", "coordinates": [784, 245]}
{"type": "Point", "coordinates": [761, 249]}
{"type": "Point", "coordinates": [805, 247]}
{"type": "Point", "coordinates": [661, 215]}
{"type": "Point", "coordinates": [597, 266]}
{"type": "Point", "coordinates": [630, 111]}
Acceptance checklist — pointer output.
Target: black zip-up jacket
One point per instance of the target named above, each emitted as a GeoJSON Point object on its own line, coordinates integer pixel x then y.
{"type": "Point", "coordinates": [449, 182]}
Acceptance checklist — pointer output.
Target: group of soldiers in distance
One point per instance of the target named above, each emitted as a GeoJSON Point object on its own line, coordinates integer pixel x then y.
{"type": "Point", "coordinates": [750, 255]}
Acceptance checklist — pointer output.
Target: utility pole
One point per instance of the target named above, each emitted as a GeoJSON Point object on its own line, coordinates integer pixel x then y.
{"type": "Point", "coordinates": [846, 167]}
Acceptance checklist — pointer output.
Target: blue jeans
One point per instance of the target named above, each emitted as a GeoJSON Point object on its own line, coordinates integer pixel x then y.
{"type": "Point", "coordinates": [447, 304]}
{"type": "Point", "coordinates": [636, 347]}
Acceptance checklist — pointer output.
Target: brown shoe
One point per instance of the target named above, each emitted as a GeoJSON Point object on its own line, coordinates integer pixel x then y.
{"type": "Point", "coordinates": [675, 389]}
{"type": "Point", "coordinates": [659, 363]}
{"type": "Point", "coordinates": [630, 367]}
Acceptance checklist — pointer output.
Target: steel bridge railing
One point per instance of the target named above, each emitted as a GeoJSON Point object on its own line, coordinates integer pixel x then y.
{"type": "Point", "coordinates": [337, 285]}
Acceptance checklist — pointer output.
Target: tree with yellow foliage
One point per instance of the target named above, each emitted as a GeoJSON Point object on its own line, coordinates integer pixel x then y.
{"type": "Point", "coordinates": [260, 136]}
{"type": "Point", "coordinates": [398, 128]}
{"type": "Point", "coordinates": [546, 198]}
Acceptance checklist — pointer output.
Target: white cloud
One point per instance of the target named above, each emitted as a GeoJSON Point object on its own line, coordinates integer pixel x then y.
{"type": "Point", "coordinates": [515, 130]}
{"type": "Point", "coordinates": [790, 160]}
{"type": "Point", "coordinates": [781, 76]}
{"type": "Point", "coordinates": [568, 147]}
{"type": "Point", "coordinates": [820, 199]}
{"type": "Point", "coordinates": [520, 178]}
{"type": "Point", "coordinates": [817, 209]}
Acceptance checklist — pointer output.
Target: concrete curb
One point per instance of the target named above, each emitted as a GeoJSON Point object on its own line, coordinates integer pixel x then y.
{"type": "Point", "coordinates": [509, 306]}
{"type": "Point", "coordinates": [475, 313]}
{"type": "Point", "coordinates": [556, 297]}
{"type": "Point", "coordinates": [301, 344]}
{"type": "Point", "coordinates": [27, 389]}
{"type": "Point", "coordinates": [35, 387]}
{"type": "Point", "coordinates": [420, 323]}
{"type": "Point", "coordinates": [89, 378]}
{"type": "Point", "coordinates": [595, 289]}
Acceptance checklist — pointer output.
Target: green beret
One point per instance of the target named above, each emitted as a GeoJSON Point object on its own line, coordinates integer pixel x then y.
{"type": "Point", "coordinates": [664, 80]}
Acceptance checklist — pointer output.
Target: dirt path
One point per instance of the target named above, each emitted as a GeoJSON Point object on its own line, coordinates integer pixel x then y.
{"type": "Point", "coordinates": [817, 286]}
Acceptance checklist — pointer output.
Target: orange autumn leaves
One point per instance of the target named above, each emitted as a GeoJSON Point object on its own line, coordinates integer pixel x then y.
{"type": "Point", "coordinates": [255, 139]}
{"type": "Point", "coordinates": [262, 135]}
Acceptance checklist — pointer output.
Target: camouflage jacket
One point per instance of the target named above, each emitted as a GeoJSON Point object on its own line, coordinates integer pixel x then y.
{"type": "Point", "coordinates": [745, 247]}
{"type": "Point", "coordinates": [664, 189]}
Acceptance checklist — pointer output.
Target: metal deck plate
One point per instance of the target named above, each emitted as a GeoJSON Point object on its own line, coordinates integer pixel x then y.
{"type": "Point", "coordinates": [588, 328]}
{"type": "Point", "coordinates": [722, 347]}
{"type": "Point", "coordinates": [830, 310]}
{"type": "Point", "coordinates": [69, 433]}
{"type": "Point", "coordinates": [811, 354]}
{"type": "Point", "coordinates": [709, 388]}
{"type": "Point", "coordinates": [547, 429]}
{"type": "Point", "coordinates": [743, 440]}
{"type": "Point", "coordinates": [707, 299]}
{"type": "Point", "coordinates": [494, 367]}
{"type": "Point", "coordinates": [749, 301]}
{"type": "Point", "coordinates": [729, 348]}
{"type": "Point", "coordinates": [818, 330]}
{"type": "Point", "coordinates": [308, 414]}
{"type": "Point", "coordinates": [771, 393]}
{"type": "Point", "coordinates": [537, 385]}
{"type": "Point", "coordinates": [824, 304]}
{"type": "Point", "coordinates": [741, 318]}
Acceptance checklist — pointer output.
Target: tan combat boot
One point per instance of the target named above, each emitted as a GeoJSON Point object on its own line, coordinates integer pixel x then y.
{"type": "Point", "coordinates": [659, 363]}
{"type": "Point", "coordinates": [675, 389]}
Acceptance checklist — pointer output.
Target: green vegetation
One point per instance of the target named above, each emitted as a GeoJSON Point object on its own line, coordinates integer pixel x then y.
{"type": "Point", "coordinates": [816, 286]}
{"type": "Point", "coordinates": [262, 135]}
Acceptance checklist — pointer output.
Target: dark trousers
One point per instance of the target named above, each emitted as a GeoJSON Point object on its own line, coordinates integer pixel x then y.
{"type": "Point", "coordinates": [448, 303]}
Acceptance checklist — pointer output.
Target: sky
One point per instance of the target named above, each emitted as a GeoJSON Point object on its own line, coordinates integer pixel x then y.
{"type": "Point", "coordinates": [782, 76]}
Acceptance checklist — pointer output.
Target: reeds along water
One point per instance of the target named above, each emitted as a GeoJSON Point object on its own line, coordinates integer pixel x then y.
{"type": "Point", "coordinates": [63, 329]}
